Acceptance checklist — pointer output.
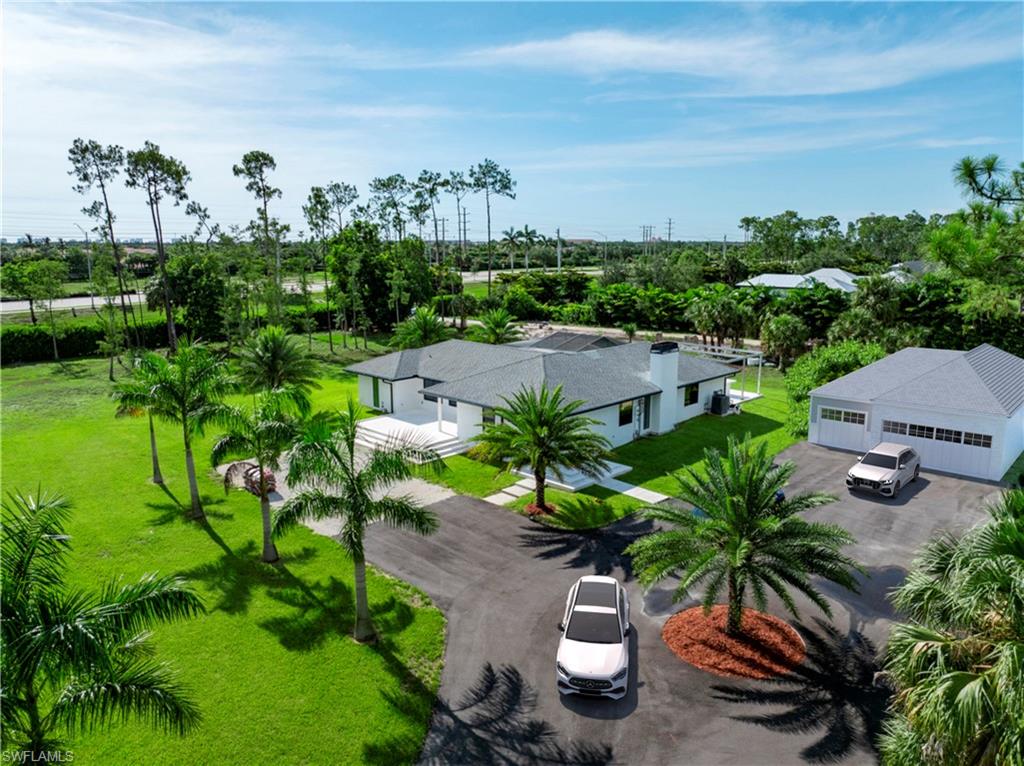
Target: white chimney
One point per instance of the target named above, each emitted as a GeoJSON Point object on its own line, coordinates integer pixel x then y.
{"type": "Point", "coordinates": [664, 373]}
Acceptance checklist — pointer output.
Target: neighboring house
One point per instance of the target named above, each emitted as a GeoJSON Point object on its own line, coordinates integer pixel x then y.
{"type": "Point", "coordinates": [962, 411]}
{"type": "Point", "coordinates": [908, 271]}
{"type": "Point", "coordinates": [453, 388]}
{"type": "Point", "coordinates": [836, 279]}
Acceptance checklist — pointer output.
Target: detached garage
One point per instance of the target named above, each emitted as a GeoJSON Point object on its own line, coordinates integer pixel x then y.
{"type": "Point", "coordinates": [962, 411]}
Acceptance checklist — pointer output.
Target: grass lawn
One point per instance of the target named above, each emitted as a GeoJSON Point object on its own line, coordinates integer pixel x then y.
{"type": "Point", "coordinates": [471, 477]}
{"type": "Point", "coordinates": [476, 289]}
{"type": "Point", "coordinates": [271, 664]}
{"type": "Point", "coordinates": [653, 458]}
{"type": "Point", "coordinates": [587, 509]}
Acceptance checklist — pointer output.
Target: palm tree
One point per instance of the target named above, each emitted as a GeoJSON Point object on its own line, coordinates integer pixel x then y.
{"type": "Point", "coordinates": [529, 237]}
{"type": "Point", "coordinates": [272, 360]}
{"type": "Point", "coordinates": [539, 428]}
{"type": "Point", "coordinates": [352, 485]}
{"type": "Point", "coordinates": [958, 665]}
{"type": "Point", "coordinates": [134, 398]}
{"type": "Point", "coordinates": [76, 659]}
{"type": "Point", "coordinates": [496, 326]}
{"type": "Point", "coordinates": [510, 239]}
{"type": "Point", "coordinates": [421, 329]}
{"type": "Point", "coordinates": [740, 535]}
{"type": "Point", "coordinates": [188, 390]}
{"type": "Point", "coordinates": [263, 434]}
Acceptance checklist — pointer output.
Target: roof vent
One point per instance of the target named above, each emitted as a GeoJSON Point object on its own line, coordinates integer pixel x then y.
{"type": "Point", "coordinates": [665, 347]}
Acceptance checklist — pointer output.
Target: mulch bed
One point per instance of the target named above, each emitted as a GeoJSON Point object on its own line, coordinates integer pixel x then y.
{"type": "Point", "coordinates": [533, 510]}
{"type": "Point", "coordinates": [766, 648]}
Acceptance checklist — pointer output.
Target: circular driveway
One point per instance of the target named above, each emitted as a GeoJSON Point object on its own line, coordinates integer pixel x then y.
{"type": "Point", "coordinates": [501, 581]}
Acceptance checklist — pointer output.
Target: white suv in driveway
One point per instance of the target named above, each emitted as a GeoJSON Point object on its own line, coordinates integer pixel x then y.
{"type": "Point", "coordinates": [593, 653]}
{"type": "Point", "coordinates": [886, 469]}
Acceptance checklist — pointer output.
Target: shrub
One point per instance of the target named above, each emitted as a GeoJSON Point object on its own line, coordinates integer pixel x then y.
{"type": "Point", "coordinates": [522, 305]}
{"type": "Point", "coordinates": [574, 313]}
{"type": "Point", "coordinates": [81, 337]}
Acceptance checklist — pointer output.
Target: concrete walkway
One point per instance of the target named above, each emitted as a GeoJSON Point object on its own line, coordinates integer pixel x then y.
{"type": "Point", "coordinates": [520, 488]}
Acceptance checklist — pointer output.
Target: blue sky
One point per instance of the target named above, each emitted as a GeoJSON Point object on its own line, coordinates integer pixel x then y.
{"type": "Point", "coordinates": [610, 115]}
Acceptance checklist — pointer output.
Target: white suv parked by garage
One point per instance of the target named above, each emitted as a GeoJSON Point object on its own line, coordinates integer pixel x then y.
{"type": "Point", "coordinates": [593, 653]}
{"type": "Point", "coordinates": [886, 469]}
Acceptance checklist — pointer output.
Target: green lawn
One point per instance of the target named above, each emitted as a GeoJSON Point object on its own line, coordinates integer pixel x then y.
{"type": "Point", "coordinates": [471, 477]}
{"type": "Point", "coordinates": [271, 665]}
{"type": "Point", "coordinates": [1015, 471]}
{"type": "Point", "coordinates": [587, 509]}
{"type": "Point", "coordinates": [476, 289]}
{"type": "Point", "coordinates": [653, 458]}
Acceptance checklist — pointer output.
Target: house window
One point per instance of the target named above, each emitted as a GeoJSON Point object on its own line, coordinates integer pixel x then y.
{"type": "Point", "coordinates": [947, 435]}
{"type": "Point", "coordinates": [894, 427]}
{"type": "Point", "coordinates": [452, 403]}
{"type": "Point", "coordinates": [827, 413]}
{"type": "Point", "coordinates": [690, 394]}
{"type": "Point", "coordinates": [626, 413]}
{"type": "Point", "coordinates": [427, 383]}
{"type": "Point", "coordinates": [853, 417]}
{"type": "Point", "coordinates": [921, 432]}
{"type": "Point", "coordinates": [977, 440]}
{"type": "Point", "coordinates": [487, 415]}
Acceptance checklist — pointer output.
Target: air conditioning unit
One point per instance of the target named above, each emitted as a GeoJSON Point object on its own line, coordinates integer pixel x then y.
{"type": "Point", "coordinates": [719, 404]}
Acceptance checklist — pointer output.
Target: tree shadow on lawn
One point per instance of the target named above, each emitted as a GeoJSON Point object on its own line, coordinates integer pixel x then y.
{"type": "Point", "coordinates": [600, 549]}
{"type": "Point", "coordinates": [833, 690]}
{"type": "Point", "coordinates": [492, 722]}
{"type": "Point", "coordinates": [236, 574]}
{"type": "Point", "coordinates": [652, 457]}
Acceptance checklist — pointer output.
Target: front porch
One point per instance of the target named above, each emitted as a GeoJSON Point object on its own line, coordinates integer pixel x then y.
{"type": "Point", "coordinates": [424, 426]}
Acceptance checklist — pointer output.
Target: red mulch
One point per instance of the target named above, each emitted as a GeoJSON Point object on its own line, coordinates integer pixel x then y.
{"type": "Point", "coordinates": [532, 509]}
{"type": "Point", "coordinates": [766, 648]}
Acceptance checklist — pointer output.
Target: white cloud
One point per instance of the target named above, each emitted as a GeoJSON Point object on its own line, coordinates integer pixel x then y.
{"type": "Point", "coordinates": [773, 58]}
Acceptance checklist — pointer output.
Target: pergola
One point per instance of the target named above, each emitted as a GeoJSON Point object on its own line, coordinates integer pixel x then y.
{"type": "Point", "coordinates": [729, 355]}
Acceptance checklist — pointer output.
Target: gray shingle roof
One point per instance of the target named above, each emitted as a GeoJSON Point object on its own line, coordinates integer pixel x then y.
{"type": "Point", "coordinates": [985, 380]}
{"type": "Point", "coordinates": [483, 374]}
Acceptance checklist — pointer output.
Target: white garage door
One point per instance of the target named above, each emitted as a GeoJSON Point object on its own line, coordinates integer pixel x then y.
{"type": "Point", "coordinates": [944, 449]}
{"type": "Point", "coordinates": [841, 428]}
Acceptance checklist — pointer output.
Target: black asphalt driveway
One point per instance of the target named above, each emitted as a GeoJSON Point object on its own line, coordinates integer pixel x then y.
{"type": "Point", "coordinates": [501, 580]}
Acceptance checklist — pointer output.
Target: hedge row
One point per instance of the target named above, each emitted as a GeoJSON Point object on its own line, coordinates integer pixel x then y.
{"type": "Point", "coordinates": [31, 343]}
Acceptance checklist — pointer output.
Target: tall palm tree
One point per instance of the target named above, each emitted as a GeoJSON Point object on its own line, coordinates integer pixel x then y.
{"type": "Point", "coordinates": [262, 434]}
{"type": "Point", "coordinates": [958, 665]}
{"type": "Point", "coordinates": [189, 390]}
{"type": "Point", "coordinates": [134, 398]}
{"type": "Point", "coordinates": [528, 237]}
{"type": "Point", "coordinates": [75, 659]}
{"type": "Point", "coordinates": [272, 360]}
{"type": "Point", "coordinates": [510, 239]}
{"type": "Point", "coordinates": [741, 536]}
{"type": "Point", "coordinates": [539, 428]}
{"type": "Point", "coordinates": [421, 329]}
{"type": "Point", "coordinates": [496, 326]}
{"type": "Point", "coordinates": [350, 484]}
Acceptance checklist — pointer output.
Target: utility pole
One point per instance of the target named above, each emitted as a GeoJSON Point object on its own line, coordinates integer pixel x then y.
{"type": "Point", "coordinates": [724, 238]}
{"type": "Point", "coordinates": [558, 248]}
{"type": "Point", "coordinates": [669, 235]}
{"type": "Point", "coordinates": [88, 265]}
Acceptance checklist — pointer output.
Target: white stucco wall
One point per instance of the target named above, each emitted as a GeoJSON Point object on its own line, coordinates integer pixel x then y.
{"type": "Point", "coordinates": [468, 420]}
{"type": "Point", "coordinates": [365, 386]}
{"type": "Point", "coordinates": [705, 391]}
{"type": "Point", "coordinates": [609, 424]}
{"type": "Point", "coordinates": [405, 394]}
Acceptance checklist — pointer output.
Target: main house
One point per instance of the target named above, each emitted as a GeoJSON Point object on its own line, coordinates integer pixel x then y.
{"type": "Point", "coordinates": [450, 390]}
{"type": "Point", "coordinates": [962, 411]}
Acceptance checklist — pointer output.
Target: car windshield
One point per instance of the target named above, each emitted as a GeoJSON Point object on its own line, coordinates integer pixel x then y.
{"type": "Point", "coordinates": [594, 627]}
{"type": "Point", "coordinates": [879, 461]}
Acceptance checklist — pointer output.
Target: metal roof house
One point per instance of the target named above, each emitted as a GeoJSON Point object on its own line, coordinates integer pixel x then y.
{"type": "Point", "coordinates": [962, 411]}
{"type": "Point", "coordinates": [447, 391]}
{"type": "Point", "coordinates": [836, 279]}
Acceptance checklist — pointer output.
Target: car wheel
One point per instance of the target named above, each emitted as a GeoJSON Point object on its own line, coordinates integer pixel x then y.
{"type": "Point", "coordinates": [917, 472]}
{"type": "Point", "coordinates": [896, 490]}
